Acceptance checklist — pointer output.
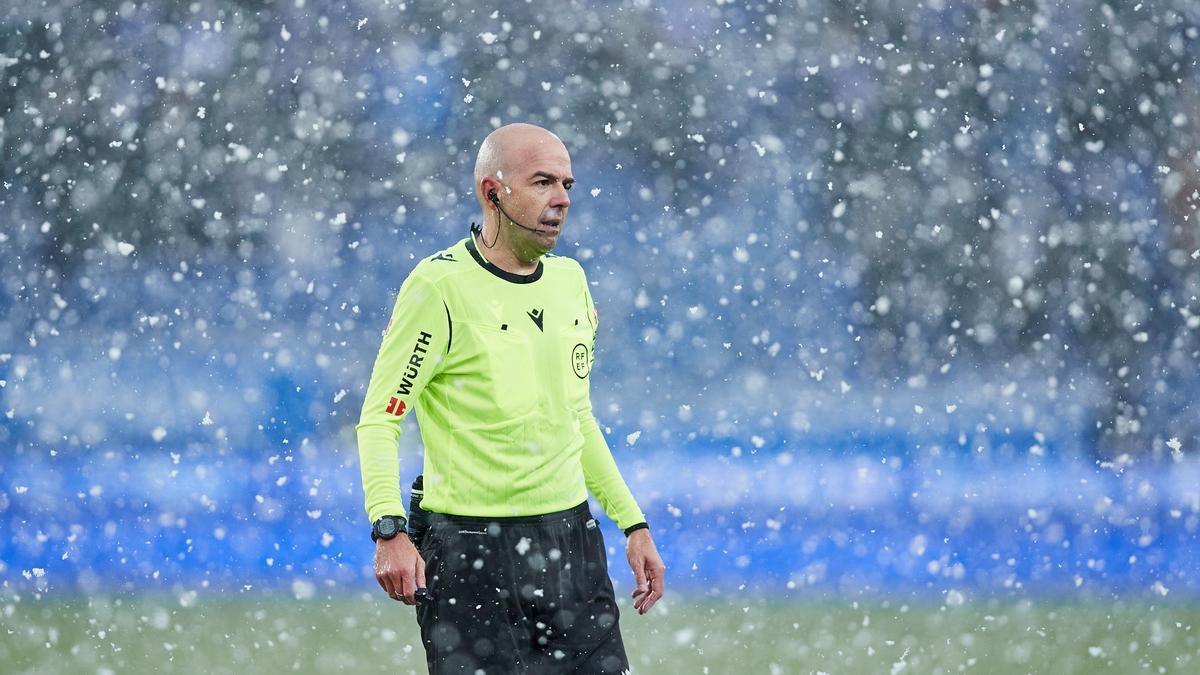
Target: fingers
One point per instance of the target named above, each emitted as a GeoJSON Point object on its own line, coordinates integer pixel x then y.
{"type": "Point", "coordinates": [401, 586]}
{"type": "Point", "coordinates": [644, 595]}
{"type": "Point", "coordinates": [407, 587]}
{"type": "Point", "coordinates": [655, 593]}
{"type": "Point", "coordinates": [421, 573]}
{"type": "Point", "coordinates": [648, 570]}
{"type": "Point", "coordinates": [390, 581]}
{"type": "Point", "coordinates": [386, 584]}
{"type": "Point", "coordinates": [647, 599]}
{"type": "Point", "coordinates": [639, 577]}
{"type": "Point", "coordinates": [650, 597]}
{"type": "Point", "coordinates": [398, 577]}
{"type": "Point", "coordinates": [658, 584]}
{"type": "Point", "coordinates": [383, 574]}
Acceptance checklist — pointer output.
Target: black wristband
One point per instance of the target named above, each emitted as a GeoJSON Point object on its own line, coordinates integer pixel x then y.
{"type": "Point", "coordinates": [634, 528]}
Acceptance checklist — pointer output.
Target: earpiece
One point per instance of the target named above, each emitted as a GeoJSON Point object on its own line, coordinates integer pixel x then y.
{"type": "Point", "coordinates": [491, 195]}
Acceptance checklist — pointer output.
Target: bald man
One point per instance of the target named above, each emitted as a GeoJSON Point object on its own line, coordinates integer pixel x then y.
{"type": "Point", "coordinates": [492, 343]}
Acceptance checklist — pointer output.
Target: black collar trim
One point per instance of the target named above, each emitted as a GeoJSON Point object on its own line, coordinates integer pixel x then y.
{"type": "Point", "coordinates": [503, 274]}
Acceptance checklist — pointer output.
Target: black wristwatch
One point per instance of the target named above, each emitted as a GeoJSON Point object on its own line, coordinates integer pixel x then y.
{"type": "Point", "coordinates": [387, 527]}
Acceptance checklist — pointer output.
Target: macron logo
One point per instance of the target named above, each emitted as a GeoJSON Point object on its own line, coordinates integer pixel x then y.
{"type": "Point", "coordinates": [537, 315]}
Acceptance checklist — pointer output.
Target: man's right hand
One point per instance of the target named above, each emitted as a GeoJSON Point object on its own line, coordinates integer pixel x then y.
{"type": "Point", "coordinates": [399, 568]}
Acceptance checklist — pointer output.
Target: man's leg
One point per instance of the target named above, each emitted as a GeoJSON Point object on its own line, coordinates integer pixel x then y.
{"type": "Point", "coordinates": [469, 626]}
{"type": "Point", "coordinates": [576, 629]}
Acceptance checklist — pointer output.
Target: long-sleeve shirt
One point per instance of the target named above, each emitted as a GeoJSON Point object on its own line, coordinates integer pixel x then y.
{"type": "Point", "coordinates": [496, 366]}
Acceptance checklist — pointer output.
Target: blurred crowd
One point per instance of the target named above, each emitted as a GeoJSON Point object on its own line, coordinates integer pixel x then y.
{"type": "Point", "coordinates": [803, 219]}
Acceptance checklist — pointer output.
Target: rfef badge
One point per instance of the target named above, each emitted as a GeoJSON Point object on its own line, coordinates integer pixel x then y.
{"type": "Point", "coordinates": [581, 361]}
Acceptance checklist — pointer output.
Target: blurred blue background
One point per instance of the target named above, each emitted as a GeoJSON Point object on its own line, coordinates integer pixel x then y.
{"type": "Point", "coordinates": [895, 296]}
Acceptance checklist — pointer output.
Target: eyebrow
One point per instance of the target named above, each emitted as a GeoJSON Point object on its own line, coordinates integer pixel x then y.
{"type": "Point", "coordinates": [551, 176]}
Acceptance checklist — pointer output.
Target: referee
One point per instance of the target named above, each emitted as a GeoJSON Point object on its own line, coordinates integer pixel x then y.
{"type": "Point", "coordinates": [491, 342]}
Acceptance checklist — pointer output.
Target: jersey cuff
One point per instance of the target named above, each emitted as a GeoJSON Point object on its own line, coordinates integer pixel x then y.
{"type": "Point", "coordinates": [387, 509]}
{"type": "Point", "coordinates": [634, 528]}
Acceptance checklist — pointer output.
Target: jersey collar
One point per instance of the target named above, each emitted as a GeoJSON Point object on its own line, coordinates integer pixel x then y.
{"type": "Point", "coordinates": [503, 274]}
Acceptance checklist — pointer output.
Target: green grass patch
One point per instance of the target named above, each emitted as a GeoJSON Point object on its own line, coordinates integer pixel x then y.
{"type": "Point", "coordinates": [270, 633]}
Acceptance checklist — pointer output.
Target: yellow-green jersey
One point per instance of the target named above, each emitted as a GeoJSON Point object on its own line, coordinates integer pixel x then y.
{"type": "Point", "coordinates": [497, 367]}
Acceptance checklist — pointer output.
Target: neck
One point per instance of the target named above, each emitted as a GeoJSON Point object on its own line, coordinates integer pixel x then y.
{"type": "Point", "coordinates": [503, 253]}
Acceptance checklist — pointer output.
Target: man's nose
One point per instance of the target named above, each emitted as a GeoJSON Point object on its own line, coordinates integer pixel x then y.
{"type": "Point", "coordinates": [560, 199]}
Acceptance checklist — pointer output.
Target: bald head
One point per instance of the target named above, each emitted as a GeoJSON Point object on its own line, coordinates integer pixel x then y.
{"type": "Point", "coordinates": [522, 177]}
{"type": "Point", "coordinates": [504, 148]}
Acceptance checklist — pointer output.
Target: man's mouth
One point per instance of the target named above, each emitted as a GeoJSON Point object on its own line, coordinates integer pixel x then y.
{"type": "Point", "coordinates": [552, 225]}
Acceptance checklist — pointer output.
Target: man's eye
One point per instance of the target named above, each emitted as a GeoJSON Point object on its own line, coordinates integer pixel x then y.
{"type": "Point", "coordinates": [568, 185]}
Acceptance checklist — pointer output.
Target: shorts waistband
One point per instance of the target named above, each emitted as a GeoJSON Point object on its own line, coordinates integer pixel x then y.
{"type": "Point", "coordinates": [575, 513]}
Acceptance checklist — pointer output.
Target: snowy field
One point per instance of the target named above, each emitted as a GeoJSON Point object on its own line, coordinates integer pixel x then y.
{"type": "Point", "coordinates": [779, 562]}
{"type": "Point", "coordinates": [725, 633]}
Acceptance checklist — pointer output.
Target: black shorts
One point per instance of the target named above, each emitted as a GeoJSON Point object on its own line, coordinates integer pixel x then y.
{"type": "Point", "coordinates": [519, 595]}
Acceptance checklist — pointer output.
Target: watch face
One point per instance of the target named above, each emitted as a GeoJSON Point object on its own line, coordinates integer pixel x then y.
{"type": "Point", "coordinates": [387, 527]}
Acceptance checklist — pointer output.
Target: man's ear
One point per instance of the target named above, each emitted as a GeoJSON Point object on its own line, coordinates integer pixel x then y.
{"type": "Point", "coordinates": [489, 185]}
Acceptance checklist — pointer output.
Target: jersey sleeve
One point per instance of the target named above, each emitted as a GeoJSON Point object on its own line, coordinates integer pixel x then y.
{"type": "Point", "coordinates": [600, 471]}
{"type": "Point", "coordinates": [411, 354]}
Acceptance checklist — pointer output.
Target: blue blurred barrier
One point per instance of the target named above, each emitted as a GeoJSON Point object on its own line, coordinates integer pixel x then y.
{"type": "Point", "coordinates": [788, 523]}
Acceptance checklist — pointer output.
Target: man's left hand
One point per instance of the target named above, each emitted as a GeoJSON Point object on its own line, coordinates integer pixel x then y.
{"type": "Point", "coordinates": [648, 570]}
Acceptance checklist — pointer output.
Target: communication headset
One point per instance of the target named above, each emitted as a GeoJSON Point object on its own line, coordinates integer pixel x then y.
{"type": "Point", "coordinates": [495, 200]}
